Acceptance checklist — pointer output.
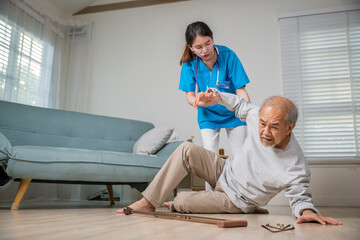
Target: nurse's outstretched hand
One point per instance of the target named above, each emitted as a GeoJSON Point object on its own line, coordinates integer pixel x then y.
{"type": "Point", "coordinates": [204, 99]}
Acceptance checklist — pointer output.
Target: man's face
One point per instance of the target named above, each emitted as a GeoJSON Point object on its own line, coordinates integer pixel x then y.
{"type": "Point", "coordinates": [273, 131]}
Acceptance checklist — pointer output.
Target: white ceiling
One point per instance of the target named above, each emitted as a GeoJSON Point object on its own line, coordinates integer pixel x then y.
{"type": "Point", "coordinates": [68, 7]}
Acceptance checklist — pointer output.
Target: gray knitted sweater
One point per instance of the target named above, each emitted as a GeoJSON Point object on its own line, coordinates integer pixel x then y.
{"type": "Point", "coordinates": [257, 173]}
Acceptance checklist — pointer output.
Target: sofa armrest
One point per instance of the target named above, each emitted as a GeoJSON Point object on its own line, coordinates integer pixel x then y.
{"type": "Point", "coordinates": [5, 147]}
{"type": "Point", "coordinates": [6, 150]}
{"type": "Point", "coordinates": [168, 149]}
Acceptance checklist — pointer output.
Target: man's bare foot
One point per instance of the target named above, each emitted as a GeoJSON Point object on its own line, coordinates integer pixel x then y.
{"type": "Point", "coordinates": [261, 211]}
{"type": "Point", "coordinates": [141, 205]}
{"type": "Point", "coordinates": [168, 204]}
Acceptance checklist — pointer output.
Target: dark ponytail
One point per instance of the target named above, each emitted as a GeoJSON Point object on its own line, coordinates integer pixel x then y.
{"type": "Point", "coordinates": [192, 30]}
{"type": "Point", "coordinates": [187, 55]}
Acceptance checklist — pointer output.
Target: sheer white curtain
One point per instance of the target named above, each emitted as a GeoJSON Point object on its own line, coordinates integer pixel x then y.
{"type": "Point", "coordinates": [44, 60]}
{"type": "Point", "coordinates": [27, 48]}
{"type": "Point", "coordinates": [75, 71]}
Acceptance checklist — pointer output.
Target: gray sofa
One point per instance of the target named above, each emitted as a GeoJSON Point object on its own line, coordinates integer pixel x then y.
{"type": "Point", "coordinates": [48, 145]}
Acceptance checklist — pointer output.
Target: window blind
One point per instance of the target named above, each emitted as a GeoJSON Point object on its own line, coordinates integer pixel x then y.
{"type": "Point", "coordinates": [25, 57]}
{"type": "Point", "coordinates": [5, 36]}
{"type": "Point", "coordinates": [321, 75]}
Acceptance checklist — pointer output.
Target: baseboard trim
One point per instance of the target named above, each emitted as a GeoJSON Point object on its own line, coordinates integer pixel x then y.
{"type": "Point", "coordinates": [327, 201]}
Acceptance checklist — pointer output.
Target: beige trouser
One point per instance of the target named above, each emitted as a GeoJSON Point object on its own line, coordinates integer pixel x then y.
{"type": "Point", "coordinates": [205, 164]}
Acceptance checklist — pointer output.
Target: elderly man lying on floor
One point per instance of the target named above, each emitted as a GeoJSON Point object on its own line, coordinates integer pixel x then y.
{"type": "Point", "coordinates": [269, 161]}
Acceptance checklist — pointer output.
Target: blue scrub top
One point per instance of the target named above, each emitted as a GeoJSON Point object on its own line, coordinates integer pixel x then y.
{"type": "Point", "coordinates": [230, 69]}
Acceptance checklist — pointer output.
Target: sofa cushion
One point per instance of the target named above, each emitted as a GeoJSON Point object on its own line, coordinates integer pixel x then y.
{"type": "Point", "coordinates": [168, 149]}
{"type": "Point", "coordinates": [152, 141]}
{"type": "Point", "coordinates": [29, 125]}
{"type": "Point", "coordinates": [72, 164]}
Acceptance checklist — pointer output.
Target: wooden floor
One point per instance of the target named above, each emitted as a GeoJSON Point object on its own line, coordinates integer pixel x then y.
{"type": "Point", "coordinates": [96, 220]}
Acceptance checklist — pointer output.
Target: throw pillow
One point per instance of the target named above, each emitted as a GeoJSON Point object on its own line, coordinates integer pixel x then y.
{"type": "Point", "coordinates": [152, 141]}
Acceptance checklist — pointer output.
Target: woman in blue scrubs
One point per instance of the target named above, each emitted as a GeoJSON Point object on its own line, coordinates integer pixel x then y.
{"type": "Point", "coordinates": [206, 65]}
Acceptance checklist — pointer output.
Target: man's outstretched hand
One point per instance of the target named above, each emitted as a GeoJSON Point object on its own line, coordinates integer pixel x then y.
{"type": "Point", "coordinates": [310, 216]}
{"type": "Point", "coordinates": [208, 98]}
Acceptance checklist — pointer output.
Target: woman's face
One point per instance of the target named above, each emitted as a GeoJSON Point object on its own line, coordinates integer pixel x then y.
{"type": "Point", "coordinates": [203, 47]}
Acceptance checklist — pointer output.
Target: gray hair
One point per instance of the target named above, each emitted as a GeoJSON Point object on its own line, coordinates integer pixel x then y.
{"type": "Point", "coordinates": [281, 103]}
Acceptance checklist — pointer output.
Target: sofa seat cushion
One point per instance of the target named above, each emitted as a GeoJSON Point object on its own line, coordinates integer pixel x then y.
{"type": "Point", "coordinates": [72, 164]}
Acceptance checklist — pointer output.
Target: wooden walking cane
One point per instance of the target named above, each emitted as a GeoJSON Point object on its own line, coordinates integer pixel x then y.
{"type": "Point", "coordinates": [221, 223]}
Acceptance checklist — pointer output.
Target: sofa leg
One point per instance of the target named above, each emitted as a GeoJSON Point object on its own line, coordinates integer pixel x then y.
{"type": "Point", "coordinates": [24, 184]}
{"type": "Point", "coordinates": [111, 194]}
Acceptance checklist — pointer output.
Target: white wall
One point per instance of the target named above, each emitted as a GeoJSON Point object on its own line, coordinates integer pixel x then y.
{"type": "Point", "coordinates": [135, 71]}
